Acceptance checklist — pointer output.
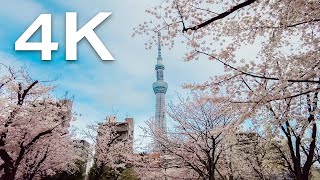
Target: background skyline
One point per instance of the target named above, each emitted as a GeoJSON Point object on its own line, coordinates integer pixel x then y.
{"type": "Point", "coordinates": [100, 88]}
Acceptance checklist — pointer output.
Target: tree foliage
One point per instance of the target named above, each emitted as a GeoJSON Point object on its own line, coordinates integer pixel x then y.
{"type": "Point", "coordinates": [276, 85]}
{"type": "Point", "coordinates": [34, 137]}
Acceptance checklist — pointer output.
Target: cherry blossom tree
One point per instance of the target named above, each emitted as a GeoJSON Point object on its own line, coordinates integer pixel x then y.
{"type": "Point", "coordinates": [253, 157]}
{"type": "Point", "coordinates": [277, 86]}
{"type": "Point", "coordinates": [34, 138]}
{"type": "Point", "coordinates": [112, 153]}
{"type": "Point", "coordinates": [198, 138]}
{"type": "Point", "coordinates": [218, 29]}
{"type": "Point", "coordinates": [296, 120]}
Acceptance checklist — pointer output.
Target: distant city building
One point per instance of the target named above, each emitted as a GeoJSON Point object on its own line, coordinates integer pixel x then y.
{"type": "Point", "coordinates": [247, 141]}
{"type": "Point", "coordinates": [257, 157]}
{"type": "Point", "coordinates": [68, 104]}
{"type": "Point", "coordinates": [315, 173]}
{"type": "Point", "coordinates": [244, 155]}
{"type": "Point", "coordinates": [124, 129]}
{"type": "Point", "coordinates": [160, 88]}
{"type": "Point", "coordinates": [82, 148]}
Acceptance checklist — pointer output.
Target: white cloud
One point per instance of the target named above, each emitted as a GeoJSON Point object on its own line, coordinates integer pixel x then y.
{"type": "Point", "coordinates": [18, 11]}
{"type": "Point", "coordinates": [9, 60]}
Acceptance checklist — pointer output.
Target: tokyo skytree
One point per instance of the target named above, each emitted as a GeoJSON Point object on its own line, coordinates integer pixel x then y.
{"type": "Point", "coordinates": [160, 88]}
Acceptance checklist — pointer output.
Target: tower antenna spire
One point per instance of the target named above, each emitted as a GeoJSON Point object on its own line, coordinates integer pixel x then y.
{"type": "Point", "coordinates": [159, 47]}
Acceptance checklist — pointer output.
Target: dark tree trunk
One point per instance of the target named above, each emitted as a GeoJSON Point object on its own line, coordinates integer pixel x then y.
{"type": "Point", "coordinates": [9, 173]}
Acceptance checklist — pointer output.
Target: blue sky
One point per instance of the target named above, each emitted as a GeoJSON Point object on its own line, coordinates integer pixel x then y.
{"type": "Point", "coordinates": [100, 88]}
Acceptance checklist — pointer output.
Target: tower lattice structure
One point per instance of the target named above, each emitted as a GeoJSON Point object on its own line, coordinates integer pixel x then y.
{"type": "Point", "coordinates": [160, 88]}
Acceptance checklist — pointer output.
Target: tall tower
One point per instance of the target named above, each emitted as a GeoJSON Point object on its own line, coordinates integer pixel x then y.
{"type": "Point", "coordinates": [160, 88]}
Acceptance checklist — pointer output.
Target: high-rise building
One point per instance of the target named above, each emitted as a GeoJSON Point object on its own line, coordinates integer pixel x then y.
{"type": "Point", "coordinates": [125, 129]}
{"type": "Point", "coordinates": [160, 88]}
{"type": "Point", "coordinates": [82, 150]}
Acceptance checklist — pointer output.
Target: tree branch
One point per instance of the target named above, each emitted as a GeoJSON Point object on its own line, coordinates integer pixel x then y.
{"type": "Point", "coordinates": [220, 16]}
{"type": "Point", "coordinates": [255, 75]}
